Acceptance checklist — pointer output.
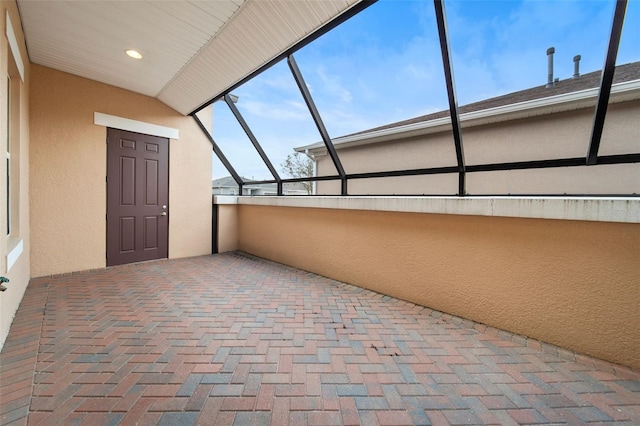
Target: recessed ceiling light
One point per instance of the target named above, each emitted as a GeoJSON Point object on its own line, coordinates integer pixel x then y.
{"type": "Point", "coordinates": [133, 53]}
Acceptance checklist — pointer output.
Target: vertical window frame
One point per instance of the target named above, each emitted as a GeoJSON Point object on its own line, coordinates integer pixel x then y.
{"type": "Point", "coordinates": [12, 156]}
{"type": "Point", "coordinates": [8, 155]}
{"type": "Point", "coordinates": [15, 72]}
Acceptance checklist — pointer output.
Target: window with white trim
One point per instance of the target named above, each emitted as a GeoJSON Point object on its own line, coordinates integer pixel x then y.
{"type": "Point", "coordinates": [12, 154]}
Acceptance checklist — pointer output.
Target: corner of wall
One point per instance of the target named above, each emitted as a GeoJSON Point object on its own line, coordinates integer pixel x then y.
{"type": "Point", "coordinates": [228, 229]}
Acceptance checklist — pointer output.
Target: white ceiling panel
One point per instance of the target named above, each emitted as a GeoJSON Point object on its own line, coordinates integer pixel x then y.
{"type": "Point", "coordinates": [273, 27]}
{"type": "Point", "coordinates": [256, 35]}
{"type": "Point", "coordinates": [192, 49]}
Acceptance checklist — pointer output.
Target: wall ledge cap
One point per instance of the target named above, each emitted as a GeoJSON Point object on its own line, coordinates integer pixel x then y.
{"type": "Point", "coordinates": [225, 199]}
{"type": "Point", "coordinates": [598, 209]}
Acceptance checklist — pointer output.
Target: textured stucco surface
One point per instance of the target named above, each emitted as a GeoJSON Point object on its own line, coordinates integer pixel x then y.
{"type": "Point", "coordinates": [20, 272]}
{"type": "Point", "coordinates": [227, 228]}
{"type": "Point", "coordinates": [550, 136]}
{"type": "Point", "coordinates": [570, 283]}
{"type": "Point", "coordinates": [68, 170]}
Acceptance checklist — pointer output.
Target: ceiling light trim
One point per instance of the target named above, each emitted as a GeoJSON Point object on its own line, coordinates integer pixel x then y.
{"type": "Point", "coordinates": [133, 53]}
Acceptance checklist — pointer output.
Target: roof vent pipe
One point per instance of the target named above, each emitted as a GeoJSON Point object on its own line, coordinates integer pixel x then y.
{"type": "Point", "coordinates": [576, 66]}
{"type": "Point", "coordinates": [550, 52]}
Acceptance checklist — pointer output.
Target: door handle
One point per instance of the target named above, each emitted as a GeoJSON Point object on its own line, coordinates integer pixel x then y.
{"type": "Point", "coordinates": [164, 213]}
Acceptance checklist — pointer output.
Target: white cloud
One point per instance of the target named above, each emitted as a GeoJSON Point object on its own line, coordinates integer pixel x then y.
{"type": "Point", "coordinates": [332, 86]}
{"type": "Point", "coordinates": [289, 111]}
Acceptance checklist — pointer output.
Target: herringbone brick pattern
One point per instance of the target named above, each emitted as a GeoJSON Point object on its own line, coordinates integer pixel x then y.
{"type": "Point", "coordinates": [230, 339]}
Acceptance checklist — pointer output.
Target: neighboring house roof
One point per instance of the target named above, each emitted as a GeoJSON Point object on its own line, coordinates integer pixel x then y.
{"type": "Point", "coordinates": [224, 182]}
{"type": "Point", "coordinates": [627, 72]}
{"type": "Point", "coordinates": [229, 182]}
{"type": "Point", "coordinates": [565, 94]}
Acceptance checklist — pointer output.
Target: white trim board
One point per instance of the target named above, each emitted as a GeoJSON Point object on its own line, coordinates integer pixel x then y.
{"type": "Point", "coordinates": [14, 254]}
{"type": "Point", "coordinates": [13, 45]}
{"type": "Point", "coordinates": [129, 125]}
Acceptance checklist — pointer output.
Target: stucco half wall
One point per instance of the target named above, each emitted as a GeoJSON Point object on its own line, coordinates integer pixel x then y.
{"type": "Point", "coordinates": [68, 170]}
{"type": "Point", "coordinates": [572, 283]}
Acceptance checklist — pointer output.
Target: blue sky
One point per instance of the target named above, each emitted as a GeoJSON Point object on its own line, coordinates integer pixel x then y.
{"type": "Point", "coordinates": [384, 65]}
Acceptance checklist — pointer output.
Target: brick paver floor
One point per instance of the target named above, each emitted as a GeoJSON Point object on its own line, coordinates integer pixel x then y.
{"type": "Point", "coordinates": [230, 339]}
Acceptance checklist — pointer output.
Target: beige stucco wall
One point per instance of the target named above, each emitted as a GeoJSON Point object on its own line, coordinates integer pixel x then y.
{"type": "Point", "coordinates": [19, 273]}
{"type": "Point", "coordinates": [227, 228]}
{"type": "Point", "coordinates": [611, 179]}
{"type": "Point", "coordinates": [550, 136]}
{"type": "Point", "coordinates": [443, 184]}
{"type": "Point", "coordinates": [570, 283]}
{"type": "Point", "coordinates": [68, 170]}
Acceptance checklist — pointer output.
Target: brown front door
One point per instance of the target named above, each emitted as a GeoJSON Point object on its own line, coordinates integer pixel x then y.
{"type": "Point", "coordinates": [137, 197]}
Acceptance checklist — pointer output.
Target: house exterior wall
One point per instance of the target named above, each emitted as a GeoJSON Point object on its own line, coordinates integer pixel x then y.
{"type": "Point", "coordinates": [572, 283]}
{"type": "Point", "coordinates": [18, 242]}
{"type": "Point", "coordinates": [68, 170]}
{"type": "Point", "coordinates": [550, 136]}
